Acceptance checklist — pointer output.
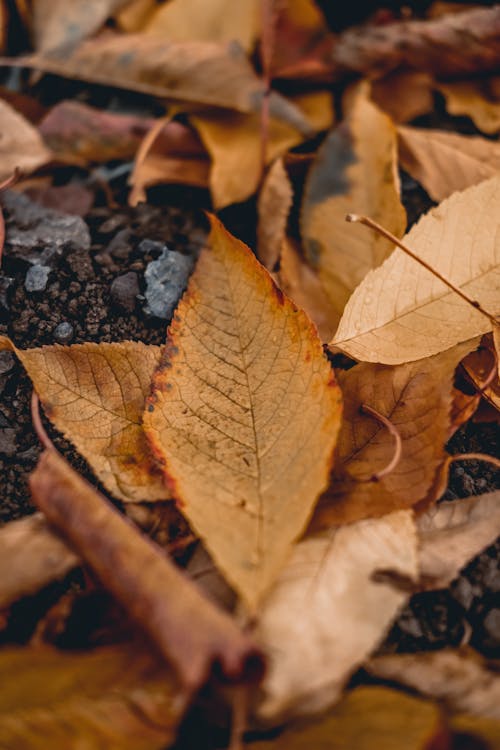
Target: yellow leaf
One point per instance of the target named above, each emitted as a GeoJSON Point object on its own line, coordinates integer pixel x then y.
{"type": "Point", "coordinates": [355, 171]}
{"type": "Point", "coordinates": [21, 144]}
{"type": "Point", "coordinates": [118, 697]}
{"type": "Point", "coordinates": [273, 206]}
{"type": "Point", "coordinates": [475, 100]}
{"type": "Point", "coordinates": [444, 162]}
{"type": "Point", "coordinates": [244, 414]}
{"type": "Point", "coordinates": [401, 312]}
{"type": "Point", "coordinates": [94, 394]}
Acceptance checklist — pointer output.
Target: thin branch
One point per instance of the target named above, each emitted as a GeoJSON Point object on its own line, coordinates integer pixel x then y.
{"type": "Point", "coordinates": [37, 422]}
{"type": "Point", "coordinates": [268, 22]}
{"type": "Point", "coordinates": [240, 717]}
{"type": "Point", "coordinates": [474, 457]}
{"type": "Point", "coordinates": [392, 238]}
{"type": "Point", "coordinates": [398, 443]}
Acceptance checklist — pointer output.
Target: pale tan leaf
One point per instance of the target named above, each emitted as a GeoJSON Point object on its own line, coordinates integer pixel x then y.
{"type": "Point", "coordinates": [355, 172]}
{"type": "Point", "coordinates": [273, 206]}
{"type": "Point", "coordinates": [94, 394]}
{"type": "Point", "coordinates": [244, 414]}
{"type": "Point", "coordinates": [444, 162]}
{"type": "Point", "coordinates": [453, 533]}
{"type": "Point", "coordinates": [479, 367]}
{"type": "Point", "coordinates": [404, 94]}
{"type": "Point", "coordinates": [57, 22]}
{"type": "Point", "coordinates": [401, 312]}
{"type": "Point", "coordinates": [31, 555]}
{"type": "Point", "coordinates": [117, 697]}
{"type": "Point", "coordinates": [326, 614]}
{"type": "Point", "coordinates": [473, 99]}
{"type": "Point", "coordinates": [366, 718]}
{"type": "Point", "coordinates": [234, 142]}
{"type": "Point", "coordinates": [21, 145]}
{"type": "Point", "coordinates": [460, 679]}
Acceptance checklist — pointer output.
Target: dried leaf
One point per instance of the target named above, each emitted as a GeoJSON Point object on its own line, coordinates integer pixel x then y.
{"type": "Point", "coordinates": [273, 206]}
{"type": "Point", "coordinates": [115, 697]}
{"type": "Point", "coordinates": [460, 679]}
{"type": "Point", "coordinates": [31, 555]}
{"type": "Point", "coordinates": [404, 95]}
{"type": "Point", "coordinates": [94, 394]}
{"type": "Point", "coordinates": [326, 614]}
{"type": "Point", "coordinates": [485, 730]}
{"type": "Point", "coordinates": [367, 718]}
{"type": "Point", "coordinates": [234, 142]}
{"type": "Point", "coordinates": [444, 162]}
{"type": "Point", "coordinates": [244, 414]}
{"type": "Point", "coordinates": [355, 171]}
{"type": "Point", "coordinates": [401, 312]}
{"type": "Point", "coordinates": [478, 366]}
{"type": "Point", "coordinates": [138, 574]}
{"type": "Point", "coordinates": [453, 533]}
{"type": "Point", "coordinates": [57, 22]}
{"type": "Point", "coordinates": [474, 99]}
{"type": "Point", "coordinates": [21, 145]}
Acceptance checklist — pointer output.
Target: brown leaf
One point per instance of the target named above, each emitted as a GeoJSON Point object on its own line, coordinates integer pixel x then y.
{"type": "Point", "coordinates": [404, 95]}
{"type": "Point", "coordinates": [444, 162]}
{"type": "Point", "coordinates": [478, 100]}
{"type": "Point", "coordinates": [273, 206]}
{"type": "Point", "coordinates": [94, 394]}
{"type": "Point", "coordinates": [416, 398]}
{"type": "Point", "coordinates": [243, 414]}
{"type": "Point", "coordinates": [355, 171]}
{"type": "Point", "coordinates": [326, 614]}
{"type": "Point", "coordinates": [116, 697]}
{"type": "Point", "coordinates": [188, 630]}
{"type": "Point", "coordinates": [482, 730]}
{"type": "Point", "coordinates": [21, 145]}
{"type": "Point", "coordinates": [453, 533]}
{"type": "Point", "coordinates": [31, 556]}
{"type": "Point", "coordinates": [401, 312]}
{"type": "Point", "coordinates": [478, 366]}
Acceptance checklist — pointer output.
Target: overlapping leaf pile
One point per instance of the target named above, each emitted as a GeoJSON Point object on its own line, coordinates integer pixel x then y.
{"type": "Point", "coordinates": [308, 491]}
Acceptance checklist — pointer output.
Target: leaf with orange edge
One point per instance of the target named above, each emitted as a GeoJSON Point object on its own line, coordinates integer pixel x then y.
{"type": "Point", "coordinates": [244, 415]}
{"type": "Point", "coordinates": [94, 394]}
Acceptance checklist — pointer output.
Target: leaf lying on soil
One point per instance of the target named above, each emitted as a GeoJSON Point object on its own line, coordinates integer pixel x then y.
{"type": "Point", "coordinates": [468, 98]}
{"type": "Point", "coordinates": [94, 394]}
{"type": "Point", "coordinates": [244, 414]}
{"type": "Point", "coordinates": [31, 555]}
{"type": "Point", "coordinates": [444, 162]}
{"type": "Point", "coordinates": [355, 171]}
{"type": "Point", "coordinates": [21, 145]}
{"type": "Point", "coordinates": [326, 614]}
{"type": "Point", "coordinates": [115, 697]}
{"type": "Point", "coordinates": [478, 366]}
{"type": "Point", "coordinates": [401, 312]}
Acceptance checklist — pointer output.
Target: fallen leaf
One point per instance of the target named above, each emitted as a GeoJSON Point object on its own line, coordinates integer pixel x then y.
{"type": "Point", "coordinates": [482, 730]}
{"type": "Point", "coordinates": [365, 718]}
{"type": "Point", "coordinates": [135, 15]}
{"type": "Point", "coordinates": [21, 145]}
{"type": "Point", "coordinates": [444, 162]}
{"type": "Point", "coordinates": [56, 22]}
{"type": "Point", "coordinates": [416, 399]}
{"type": "Point", "coordinates": [233, 141]}
{"type": "Point", "coordinates": [464, 405]}
{"type": "Point", "coordinates": [459, 679]}
{"type": "Point", "coordinates": [453, 533]}
{"type": "Point", "coordinates": [244, 414]}
{"type": "Point", "coordinates": [138, 574]}
{"type": "Point", "coordinates": [355, 171]}
{"type": "Point", "coordinates": [401, 312]}
{"type": "Point", "coordinates": [326, 614]}
{"type": "Point", "coordinates": [94, 394]}
{"type": "Point", "coordinates": [158, 169]}
{"type": "Point", "coordinates": [115, 697]}
{"type": "Point", "coordinates": [273, 206]}
{"type": "Point", "coordinates": [31, 556]}
{"type": "Point", "coordinates": [473, 99]}
{"type": "Point", "coordinates": [404, 94]}
{"type": "Point", "coordinates": [478, 366]}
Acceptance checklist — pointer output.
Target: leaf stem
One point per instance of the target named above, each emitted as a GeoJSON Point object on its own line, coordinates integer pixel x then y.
{"type": "Point", "coordinates": [398, 443]}
{"type": "Point", "coordinates": [392, 238]}
{"type": "Point", "coordinates": [37, 422]}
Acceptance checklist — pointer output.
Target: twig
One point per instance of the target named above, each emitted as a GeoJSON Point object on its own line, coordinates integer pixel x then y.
{"type": "Point", "coordinates": [240, 715]}
{"type": "Point", "coordinates": [392, 238]}
{"type": "Point", "coordinates": [473, 457]}
{"type": "Point", "coordinates": [268, 19]}
{"type": "Point", "coordinates": [398, 443]}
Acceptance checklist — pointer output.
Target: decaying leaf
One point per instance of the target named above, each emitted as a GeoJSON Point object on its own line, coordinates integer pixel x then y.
{"type": "Point", "coordinates": [21, 145]}
{"type": "Point", "coordinates": [459, 679]}
{"type": "Point", "coordinates": [139, 575]}
{"type": "Point", "coordinates": [416, 399]}
{"type": "Point", "coordinates": [367, 718]}
{"type": "Point", "coordinates": [31, 555]}
{"type": "Point", "coordinates": [244, 414]}
{"type": "Point", "coordinates": [453, 533]}
{"type": "Point", "coordinates": [326, 614]}
{"type": "Point", "coordinates": [57, 22]}
{"type": "Point", "coordinates": [444, 162]}
{"type": "Point", "coordinates": [273, 206]}
{"type": "Point", "coordinates": [116, 697]}
{"type": "Point", "coordinates": [94, 394]}
{"type": "Point", "coordinates": [401, 312]}
{"type": "Point", "coordinates": [355, 171]}
{"type": "Point", "coordinates": [473, 99]}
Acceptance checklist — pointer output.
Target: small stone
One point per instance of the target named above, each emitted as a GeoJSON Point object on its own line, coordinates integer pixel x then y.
{"type": "Point", "coordinates": [151, 247]}
{"type": "Point", "coordinates": [8, 443]}
{"type": "Point", "coordinates": [124, 291]}
{"type": "Point", "coordinates": [63, 333]}
{"type": "Point", "coordinates": [81, 265]}
{"type": "Point", "coordinates": [5, 285]}
{"type": "Point", "coordinates": [7, 362]}
{"type": "Point", "coordinates": [36, 278]}
{"type": "Point", "coordinates": [120, 246]}
{"type": "Point", "coordinates": [492, 625]}
{"type": "Point", "coordinates": [166, 280]}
